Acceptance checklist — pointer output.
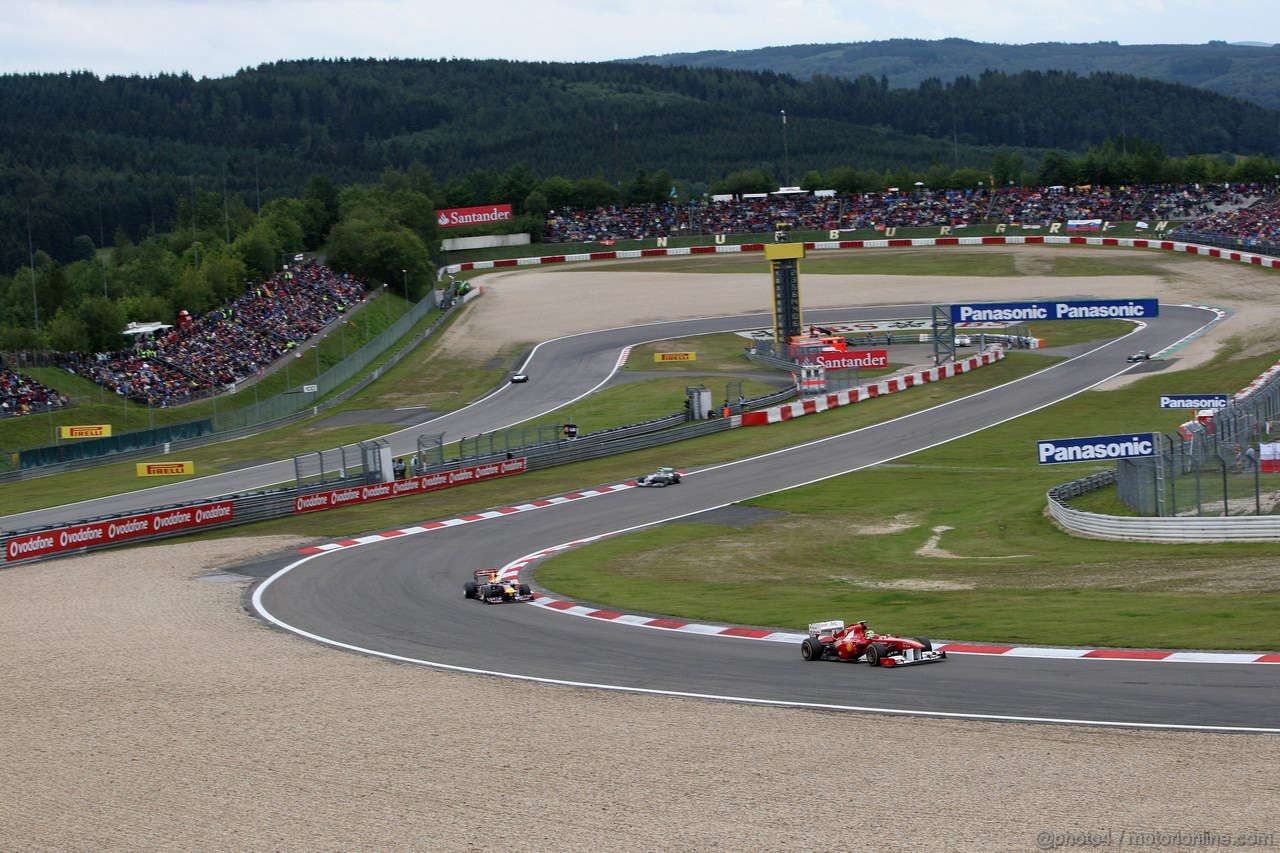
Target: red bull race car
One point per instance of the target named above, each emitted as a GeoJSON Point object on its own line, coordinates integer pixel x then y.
{"type": "Point", "coordinates": [489, 589]}
{"type": "Point", "coordinates": [832, 640]}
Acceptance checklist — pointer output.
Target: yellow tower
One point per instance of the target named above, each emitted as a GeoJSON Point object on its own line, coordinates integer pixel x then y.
{"type": "Point", "coordinates": [787, 319]}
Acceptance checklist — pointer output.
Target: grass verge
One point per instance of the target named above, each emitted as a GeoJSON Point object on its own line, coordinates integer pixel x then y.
{"type": "Point", "coordinates": [952, 542]}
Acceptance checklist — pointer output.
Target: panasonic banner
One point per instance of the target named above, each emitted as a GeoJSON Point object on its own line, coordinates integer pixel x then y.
{"type": "Point", "coordinates": [1036, 312]}
{"type": "Point", "coordinates": [1193, 401]}
{"type": "Point", "coordinates": [1098, 448]}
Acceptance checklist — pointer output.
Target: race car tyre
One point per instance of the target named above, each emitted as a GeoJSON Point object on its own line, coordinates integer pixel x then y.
{"type": "Point", "coordinates": [875, 651]}
{"type": "Point", "coordinates": [811, 649]}
{"type": "Point", "coordinates": [924, 641]}
{"type": "Point", "coordinates": [524, 589]}
{"type": "Point", "coordinates": [675, 478]}
{"type": "Point", "coordinates": [471, 589]}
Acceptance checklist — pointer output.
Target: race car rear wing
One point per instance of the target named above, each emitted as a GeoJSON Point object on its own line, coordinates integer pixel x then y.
{"type": "Point", "coordinates": [816, 628]}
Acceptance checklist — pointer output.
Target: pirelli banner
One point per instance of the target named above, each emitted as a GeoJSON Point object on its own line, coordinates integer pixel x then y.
{"type": "Point", "coordinates": [320, 501]}
{"type": "Point", "coordinates": [85, 431]}
{"type": "Point", "coordinates": [165, 469]}
{"type": "Point", "coordinates": [115, 531]}
{"type": "Point", "coordinates": [662, 357]}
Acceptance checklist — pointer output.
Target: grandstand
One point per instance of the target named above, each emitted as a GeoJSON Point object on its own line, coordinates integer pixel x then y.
{"type": "Point", "coordinates": [171, 365]}
{"type": "Point", "coordinates": [22, 395]}
{"type": "Point", "coordinates": [823, 210]}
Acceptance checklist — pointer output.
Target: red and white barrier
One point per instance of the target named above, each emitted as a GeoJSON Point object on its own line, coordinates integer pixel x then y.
{"type": "Point", "coordinates": [1244, 393]}
{"type": "Point", "coordinates": [822, 402]}
{"type": "Point", "coordinates": [914, 243]}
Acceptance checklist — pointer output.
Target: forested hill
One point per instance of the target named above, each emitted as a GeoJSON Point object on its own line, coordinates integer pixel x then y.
{"type": "Point", "coordinates": [81, 155]}
{"type": "Point", "coordinates": [1247, 71]}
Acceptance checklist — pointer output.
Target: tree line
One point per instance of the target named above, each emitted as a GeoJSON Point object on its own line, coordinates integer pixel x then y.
{"type": "Point", "coordinates": [83, 157]}
{"type": "Point", "coordinates": [387, 231]}
{"type": "Point", "coordinates": [1247, 71]}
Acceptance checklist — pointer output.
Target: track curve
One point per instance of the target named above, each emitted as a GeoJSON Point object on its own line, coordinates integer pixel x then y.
{"type": "Point", "coordinates": [564, 370]}
{"type": "Point", "coordinates": [400, 598]}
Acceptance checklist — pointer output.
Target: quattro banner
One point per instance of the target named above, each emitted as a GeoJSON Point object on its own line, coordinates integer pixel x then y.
{"type": "Point", "coordinates": [76, 536]}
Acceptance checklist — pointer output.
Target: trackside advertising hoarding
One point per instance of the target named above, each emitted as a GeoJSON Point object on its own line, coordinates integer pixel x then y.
{"type": "Point", "coordinates": [320, 501]}
{"type": "Point", "coordinates": [457, 217]}
{"type": "Point", "coordinates": [85, 431]}
{"type": "Point", "coordinates": [77, 536]}
{"type": "Point", "coordinates": [1193, 401]}
{"type": "Point", "coordinates": [1096, 448]}
{"type": "Point", "coordinates": [1036, 312]}
{"type": "Point", "coordinates": [867, 359]}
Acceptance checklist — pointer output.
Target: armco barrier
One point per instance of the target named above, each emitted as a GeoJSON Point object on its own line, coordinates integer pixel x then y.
{"type": "Point", "coordinates": [1239, 528]}
{"type": "Point", "coordinates": [1234, 528]}
{"type": "Point", "coordinates": [139, 526]}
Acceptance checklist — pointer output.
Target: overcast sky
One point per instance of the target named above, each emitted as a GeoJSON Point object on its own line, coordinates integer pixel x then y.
{"type": "Point", "coordinates": [215, 38]}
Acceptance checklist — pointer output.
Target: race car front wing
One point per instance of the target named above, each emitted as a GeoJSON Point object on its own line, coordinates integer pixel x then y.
{"type": "Point", "coordinates": [911, 657]}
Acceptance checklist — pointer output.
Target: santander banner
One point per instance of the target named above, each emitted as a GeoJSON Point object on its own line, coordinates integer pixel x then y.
{"type": "Point", "coordinates": [411, 486]}
{"type": "Point", "coordinates": [148, 524]}
{"type": "Point", "coordinates": [874, 358]}
{"type": "Point", "coordinates": [456, 217]}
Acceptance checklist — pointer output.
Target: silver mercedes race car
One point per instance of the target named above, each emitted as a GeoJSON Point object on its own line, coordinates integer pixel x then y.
{"type": "Point", "coordinates": [661, 477]}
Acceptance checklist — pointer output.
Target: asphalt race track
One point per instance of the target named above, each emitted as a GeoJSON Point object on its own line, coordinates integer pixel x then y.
{"type": "Point", "coordinates": [401, 597]}
{"type": "Point", "coordinates": [561, 371]}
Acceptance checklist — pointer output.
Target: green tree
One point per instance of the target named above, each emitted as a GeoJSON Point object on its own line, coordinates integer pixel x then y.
{"type": "Point", "coordinates": [324, 210]}
{"type": "Point", "coordinates": [82, 248]}
{"type": "Point", "coordinates": [256, 253]}
{"type": "Point", "coordinates": [103, 321]}
{"type": "Point", "coordinates": [67, 332]}
{"type": "Point", "coordinates": [1056, 170]}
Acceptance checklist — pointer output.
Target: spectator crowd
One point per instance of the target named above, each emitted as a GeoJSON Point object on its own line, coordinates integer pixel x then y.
{"type": "Point", "coordinates": [1256, 226]}
{"type": "Point", "coordinates": [769, 212]}
{"type": "Point", "coordinates": [239, 340]}
{"type": "Point", "coordinates": [204, 353]}
{"type": "Point", "coordinates": [22, 395]}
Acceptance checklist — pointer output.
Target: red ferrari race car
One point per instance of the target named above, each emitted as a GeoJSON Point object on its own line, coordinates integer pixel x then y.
{"type": "Point", "coordinates": [858, 642]}
{"type": "Point", "coordinates": [490, 590]}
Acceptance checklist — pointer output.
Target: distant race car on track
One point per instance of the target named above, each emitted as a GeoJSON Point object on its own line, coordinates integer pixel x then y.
{"type": "Point", "coordinates": [858, 642]}
{"type": "Point", "coordinates": [1140, 355]}
{"type": "Point", "coordinates": [661, 477]}
{"type": "Point", "coordinates": [517, 378]}
{"type": "Point", "coordinates": [490, 590]}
